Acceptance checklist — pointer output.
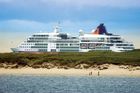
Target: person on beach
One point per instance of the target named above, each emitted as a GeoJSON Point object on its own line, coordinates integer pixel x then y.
{"type": "Point", "coordinates": [90, 73]}
{"type": "Point", "coordinates": [98, 73]}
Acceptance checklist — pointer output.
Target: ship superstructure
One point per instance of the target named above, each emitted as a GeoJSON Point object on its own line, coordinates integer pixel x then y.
{"type": "Point", "coordinates": [56, 41]}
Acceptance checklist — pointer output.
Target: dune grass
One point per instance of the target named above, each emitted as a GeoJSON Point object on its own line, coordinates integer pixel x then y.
{"type": "Point", "coordinates": [72, 58]}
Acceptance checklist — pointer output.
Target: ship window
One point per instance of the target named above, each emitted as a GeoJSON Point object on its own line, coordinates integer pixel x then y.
{"type": "Point", "coordinates": [91, 45]}
{"type": "Point", "coordinates": [101, 39]}
{"type": "Point", "coordinates": [43, 50]}
{"type": "Point", "coordinates": [83, 46]}
{"type": "Point", "coordinates": [109, 44]}
{"type": "Point", "coordinates": [84, 40]}
{"type": "Point", "coordinates": [121, 44]}
{"type": "Point", "coordinates": [127, 47]}
{"type": "Point", "coordinates": [115, 38]}
{"type": "Point", "coordinates": [99, 44]}
{"type": "Point", "coordinates": [131, 44]}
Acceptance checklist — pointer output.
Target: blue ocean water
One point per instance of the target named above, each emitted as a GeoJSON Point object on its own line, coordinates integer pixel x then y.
{"type": "Point", "coordinates": [68, 84]}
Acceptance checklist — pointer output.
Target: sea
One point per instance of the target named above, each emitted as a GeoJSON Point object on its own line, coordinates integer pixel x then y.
{"type": "Point", "coordinates": [68, 84]}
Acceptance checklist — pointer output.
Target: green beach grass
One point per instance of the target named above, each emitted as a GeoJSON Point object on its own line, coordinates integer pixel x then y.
{"type": "Point", "coordinates": [71, 59]}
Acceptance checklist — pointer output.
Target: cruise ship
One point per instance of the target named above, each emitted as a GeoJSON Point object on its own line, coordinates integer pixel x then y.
{"type": "Point", "coordinates": [56, 41]}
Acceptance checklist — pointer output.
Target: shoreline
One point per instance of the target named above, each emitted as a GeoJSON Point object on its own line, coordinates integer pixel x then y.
{"type": "Point", "coordinates": [113, 70]}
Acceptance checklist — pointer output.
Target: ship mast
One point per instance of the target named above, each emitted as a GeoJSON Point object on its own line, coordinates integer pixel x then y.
{"type": "Point", "coordinates": [57, 28]}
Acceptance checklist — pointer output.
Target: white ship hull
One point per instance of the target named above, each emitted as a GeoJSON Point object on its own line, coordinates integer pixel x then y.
{"type": "Point", "coordinates": [100, 39]}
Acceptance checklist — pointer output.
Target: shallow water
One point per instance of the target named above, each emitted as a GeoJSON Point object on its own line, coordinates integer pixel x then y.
{"type": "Point", "coordinates": [68, 84]}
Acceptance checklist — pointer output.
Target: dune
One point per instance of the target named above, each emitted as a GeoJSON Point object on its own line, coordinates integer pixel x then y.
{"type": "Point", "coordinates": [113, 70]}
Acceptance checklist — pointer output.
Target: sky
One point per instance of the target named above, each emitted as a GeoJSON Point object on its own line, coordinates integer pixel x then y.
{"type": "Point", "coordinates": [21, 18]}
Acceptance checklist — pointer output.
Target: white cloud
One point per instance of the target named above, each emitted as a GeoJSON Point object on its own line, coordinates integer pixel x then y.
{"type": "Point", "coordinates": [85, 3]}
{"type": "Point", "coordinates": [77, 3]}
{"type": "Point", "coordinates": [5, 1]}
{"type": "Point", "coordinates": [22, 25]}
{"type": "Point", "coordinates": [26, 25]}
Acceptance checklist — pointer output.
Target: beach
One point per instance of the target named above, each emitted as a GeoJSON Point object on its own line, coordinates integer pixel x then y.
{"type": "Point", "coordinates": [113, 70]}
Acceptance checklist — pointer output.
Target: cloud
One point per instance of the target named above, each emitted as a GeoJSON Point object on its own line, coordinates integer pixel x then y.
{"type": "Point", "coordinates": [5, 1]}
{"type": "Point", "coordinates": [17, 25]}
{"type": "Point", "coordinates": [77, 3]}
{"type": "Point", "coordinates": [22, 25]}
{"type": "Point", "coordinates": [94, 3]}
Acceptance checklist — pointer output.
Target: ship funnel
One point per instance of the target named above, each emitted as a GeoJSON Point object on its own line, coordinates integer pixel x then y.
{"type": "Point", "coordinates": [101, 29]}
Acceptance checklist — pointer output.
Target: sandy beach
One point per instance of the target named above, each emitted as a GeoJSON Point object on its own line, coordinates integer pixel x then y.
{"type": "Point", "coordinates": [113, 70]}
